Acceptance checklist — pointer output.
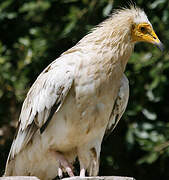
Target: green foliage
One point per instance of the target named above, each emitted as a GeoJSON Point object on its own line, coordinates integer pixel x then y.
{"type": "Point", "coordinates": [34, 33]}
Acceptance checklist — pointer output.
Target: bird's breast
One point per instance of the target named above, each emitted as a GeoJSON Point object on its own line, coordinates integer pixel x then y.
{"type": "Point", "coordinates": [87, 108]}
{"type": "Point", "coordinates": [94, 93]}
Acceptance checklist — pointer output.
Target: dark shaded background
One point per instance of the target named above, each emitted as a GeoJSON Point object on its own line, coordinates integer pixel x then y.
{"type": "Point", "coordinates": [35, 32]}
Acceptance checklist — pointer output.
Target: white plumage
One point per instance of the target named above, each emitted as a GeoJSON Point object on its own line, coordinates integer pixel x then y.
{"type": "Point", "coordinates": [76, 100]}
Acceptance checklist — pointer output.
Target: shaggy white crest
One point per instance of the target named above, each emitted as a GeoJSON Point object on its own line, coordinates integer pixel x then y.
{"type": "Point", "coordinates": [140, 16]}
{"type": "Point", "coordinates": [116, 30]}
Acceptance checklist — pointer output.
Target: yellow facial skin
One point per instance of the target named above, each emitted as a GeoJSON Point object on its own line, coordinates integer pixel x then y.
{"type": "Point", "coordinates": [143, 32]}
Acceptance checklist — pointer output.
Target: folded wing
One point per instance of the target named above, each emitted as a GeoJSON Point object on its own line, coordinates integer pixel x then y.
{"type": "Point", "coordinates": [119, 106]}
{"type": "Point", "coordinates": [44, 99]}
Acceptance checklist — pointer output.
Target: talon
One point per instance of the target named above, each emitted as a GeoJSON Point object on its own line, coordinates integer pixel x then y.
{"type": "Point", "coordinates": [60, 172]}
{"type": "Point", "coordinates": [69, 171]}
{"type": "Point", "coordinates": [82, 172]}
{"type": "Point", "coordinates": [63, 163]}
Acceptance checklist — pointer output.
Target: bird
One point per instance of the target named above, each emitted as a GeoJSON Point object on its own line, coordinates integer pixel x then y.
{"type": "Point", "coordinates": [78, 99]}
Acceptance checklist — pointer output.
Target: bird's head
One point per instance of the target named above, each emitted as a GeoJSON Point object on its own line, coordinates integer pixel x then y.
{"type": "Point", "coordinates": [142, 30]}
{"type": "Point", "coordinates": [125, 26]}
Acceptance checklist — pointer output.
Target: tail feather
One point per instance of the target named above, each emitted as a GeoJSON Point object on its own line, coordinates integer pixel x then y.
{"type": "Point", "coordinates": [20, 142]}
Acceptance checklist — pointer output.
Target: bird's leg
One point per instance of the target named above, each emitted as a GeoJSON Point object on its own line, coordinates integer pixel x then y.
{"type": "Point", "coordinates": [84, 160]}
{"type": "Point", "coordinates": [63, 163]}
{"type": "Point", "coordinates": [89, 160]}
{"type": "Point", "coordinates": [94, 165]}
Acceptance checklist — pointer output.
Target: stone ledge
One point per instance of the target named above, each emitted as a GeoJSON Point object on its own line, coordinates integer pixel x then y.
{"type": "Point", "coordinates": [70, 178]}
{"type": "Point", "coordinates": [19, 178]}
{"type": "Point", "coordinates": [99, 178]}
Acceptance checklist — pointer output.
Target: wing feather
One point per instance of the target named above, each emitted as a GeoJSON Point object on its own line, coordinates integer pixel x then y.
{"type": "Point", "coordinates": [45, 97]}
{"type": "Point", "coordinates": [119, 106]}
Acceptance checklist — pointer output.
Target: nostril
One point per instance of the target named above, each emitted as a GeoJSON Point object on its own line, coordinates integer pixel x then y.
{"type": "Point", "coordinates": [154, 37]}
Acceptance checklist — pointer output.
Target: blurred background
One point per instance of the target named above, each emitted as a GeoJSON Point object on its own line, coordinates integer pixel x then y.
{"type": "Point", "coordinates": [35, 32]}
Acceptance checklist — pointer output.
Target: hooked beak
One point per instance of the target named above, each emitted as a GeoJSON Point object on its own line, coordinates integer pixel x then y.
{"type": "Point", "coordinates": [153, 38]}
{"type": "Point", "coordinates": [160, 46]}
{"type": "Point", "coordinates": [145, 33]}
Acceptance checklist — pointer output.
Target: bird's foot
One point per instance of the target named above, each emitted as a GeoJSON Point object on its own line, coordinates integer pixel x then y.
{"type": "Point", "coordinates": [63, 164]}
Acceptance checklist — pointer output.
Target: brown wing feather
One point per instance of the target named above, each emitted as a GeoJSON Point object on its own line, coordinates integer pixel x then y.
{"type": "Point", "coordinates": [119, 106]}
{"type": "Point", "coordinates": [43, 99]}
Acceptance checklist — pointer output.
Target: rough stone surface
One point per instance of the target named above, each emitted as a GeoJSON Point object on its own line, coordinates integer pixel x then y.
{"type": "Point", "coordinates": [99, 178]}
{"type": "Point", "coordinates": [19, 178]}
{"type": "Point", "coordinates": [70, 178]}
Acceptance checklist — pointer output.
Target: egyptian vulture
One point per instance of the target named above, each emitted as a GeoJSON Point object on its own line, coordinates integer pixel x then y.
{"type": "Point", "coordinates": [77, 99]}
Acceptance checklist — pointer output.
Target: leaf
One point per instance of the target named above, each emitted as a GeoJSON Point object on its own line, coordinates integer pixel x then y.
{"type": "Point", "coordinates": [107, 9]}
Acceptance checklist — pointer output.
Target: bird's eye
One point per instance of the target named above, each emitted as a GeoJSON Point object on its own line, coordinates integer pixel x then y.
{"type": "Point", "coordinates": [143, 29]}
